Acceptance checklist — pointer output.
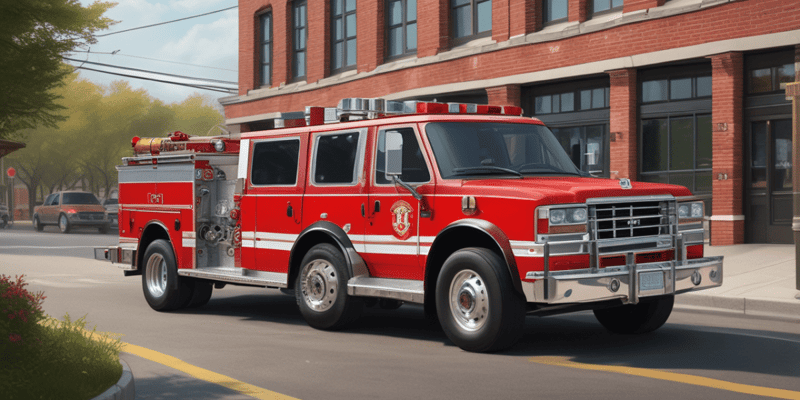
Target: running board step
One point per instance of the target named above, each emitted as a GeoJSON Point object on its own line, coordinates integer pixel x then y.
{"type": "Point", "coordinates": [238, 275]}
{"type": "Point", "coordinates": [399, 289]}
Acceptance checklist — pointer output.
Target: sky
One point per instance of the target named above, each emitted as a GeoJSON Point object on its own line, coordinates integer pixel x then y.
{"type": "Point", "coordinates": [203, 47]}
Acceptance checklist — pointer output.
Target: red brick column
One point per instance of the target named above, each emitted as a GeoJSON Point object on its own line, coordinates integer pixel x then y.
{"type": "Point", "coordinates": [371, 27]}
{"type": "Point", "coordinates": [624, 133]}
{"type": "Point", "coordinates": [506, 95]}
{"type": "Point", "coordinates": [501, 20]}
{"type": "Point", "coordinates": [318, 47]}
{"type": "Point", "coordinates": [635, 5]}
{"type": "Point", "coordinates": [433, 29]}
{"type": "Point", "coordinates": [727, 216]}
{"type": "Point", "coordinates": [525, 17]}
{"type": "Point", "coordinates": [578, 10]}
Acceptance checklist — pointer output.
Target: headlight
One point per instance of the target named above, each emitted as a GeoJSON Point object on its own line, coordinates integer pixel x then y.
{"type": "Point", "coordinates": [693, 210]}
{"type": "Point", "coordinates": [556, 220]}
{"type": "Point", "coordinates": [557, 216]}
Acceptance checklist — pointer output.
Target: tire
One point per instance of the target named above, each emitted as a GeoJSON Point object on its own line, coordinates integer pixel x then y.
{"type": "Point", "coordinates": [63, 223]}
{"type": "Point", "coordinates": [321, 289]}
{"type": "Point", "coordinates": [201, 293]}
{"type": "Point", "coordinates": [476, 302]}
{"type": "Point", "coordinates": [163, 289]}
{"type": "Point", "coordinates": [4, 222]}
{"type": "Point", "coordinates": [103, 229]}
{"type": "Point", "coordinates": [646, 316]}
{"type": "Point", "coordinates": [37, 224]}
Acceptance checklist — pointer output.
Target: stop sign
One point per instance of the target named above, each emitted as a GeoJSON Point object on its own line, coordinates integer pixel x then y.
{"type": "Point", "coordinates": [11, 172]}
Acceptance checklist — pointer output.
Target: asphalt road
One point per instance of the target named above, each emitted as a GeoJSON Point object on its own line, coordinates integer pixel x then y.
{"type": "Point", "coordinates": [257, 336]}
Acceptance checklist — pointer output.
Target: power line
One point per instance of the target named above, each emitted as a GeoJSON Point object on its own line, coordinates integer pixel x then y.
{"type": "Point", "coordinates": [150, 72]}
{"type": "Point", "coordinates": [203, 87]}
{"type": "Point", "coordinates": [155, 59]}
{"type": "Point", "coordinates": [166, 22]}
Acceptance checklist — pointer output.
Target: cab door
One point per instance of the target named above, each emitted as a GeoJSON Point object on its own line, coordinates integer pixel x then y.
{"type": "Point", "coordinates": [335, 191]}
{"type": "Point", "coordinates": [396, 221]}
{"type": "Point", "coordinates": [277, 181]}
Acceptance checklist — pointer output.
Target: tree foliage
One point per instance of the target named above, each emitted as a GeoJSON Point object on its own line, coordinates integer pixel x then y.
{"type": "Point", "coordinates": [34, 34]}
{"type": "Point", "coordinates": [95, 133]}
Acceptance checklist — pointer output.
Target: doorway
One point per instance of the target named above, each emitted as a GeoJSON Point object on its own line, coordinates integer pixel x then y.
{"type": "Point", "coordinates": [586, 147]}
{"type": "Point", "coordinates": [768, 189]}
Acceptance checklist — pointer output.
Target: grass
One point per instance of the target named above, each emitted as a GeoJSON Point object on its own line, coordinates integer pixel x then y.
{"type": "Point", "coordinates": [46, 358]}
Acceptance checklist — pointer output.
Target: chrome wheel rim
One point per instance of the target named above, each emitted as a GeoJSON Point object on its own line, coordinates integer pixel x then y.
{"type": "Point", "coordinates": [62, 223]}
{"type": "Point", "coordinates": [469, 300]}
{"type": "Point", "coordinates": [156, 275]}
{"type": "Point", "coordinates": [319, 285]}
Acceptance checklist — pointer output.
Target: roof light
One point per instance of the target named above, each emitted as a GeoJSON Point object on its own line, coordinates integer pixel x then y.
{"type": "Point", "coordinates": [512, 110]}
{"type": "Point", "coordinates": [484, 109]}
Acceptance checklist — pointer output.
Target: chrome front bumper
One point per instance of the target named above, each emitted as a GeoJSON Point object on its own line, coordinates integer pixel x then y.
{"type": "Point", "coordinates": [582, 286]}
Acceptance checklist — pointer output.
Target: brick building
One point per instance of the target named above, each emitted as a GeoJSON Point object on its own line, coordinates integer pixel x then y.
{"type": "Point", "coordinates": [678, 91]}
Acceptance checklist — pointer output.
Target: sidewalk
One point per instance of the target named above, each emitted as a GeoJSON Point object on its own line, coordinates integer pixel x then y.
{"type": "Point", "coordinates": [758, 280]}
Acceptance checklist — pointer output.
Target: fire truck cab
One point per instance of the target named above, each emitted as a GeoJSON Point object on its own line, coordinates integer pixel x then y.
{"type": "Point", "coordinates": [473, 211]}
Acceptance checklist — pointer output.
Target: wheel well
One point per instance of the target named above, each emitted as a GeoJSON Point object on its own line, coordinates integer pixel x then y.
{"type": "Point", "coordinates": [152, 233]}
{"type": "Point", "coordinates": [302, 247]}
{"type": "Point", "coordinates": [447, 243]}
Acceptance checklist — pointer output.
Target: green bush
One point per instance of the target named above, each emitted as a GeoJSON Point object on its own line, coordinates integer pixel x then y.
{"type": "Point", "coordinates": [47, 358]}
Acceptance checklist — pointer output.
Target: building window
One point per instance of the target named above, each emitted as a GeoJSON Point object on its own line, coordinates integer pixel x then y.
{"type": "Point", "coordinates": [299, 29]}
{"type": "Point", "coordinates": [554, 11]}
{"type": "Point", "coordinates": [266, 49]}
{"type": "Point", "coordinates": [769, 79]}
{"type": "Point", "coordinates": [599, 6]}
{"type": "Point", "coordinates": [580, 100]}
{"type": "Point", "coordinates": [470, 19]}
{"type": "Point", "coordinates": [673, 89]}
{"type": "Point", "coordinates": [677, 150]}
{"type": "Point", "coordinates": [401, 16]}
{"type": "Point", "coordinates": [343, 14]}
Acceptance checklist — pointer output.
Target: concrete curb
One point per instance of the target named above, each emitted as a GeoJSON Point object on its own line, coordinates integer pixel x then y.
{"type": "Point", "coordinates": [124, 389]}
{"type": "Point", "coordinates": [763, 308]}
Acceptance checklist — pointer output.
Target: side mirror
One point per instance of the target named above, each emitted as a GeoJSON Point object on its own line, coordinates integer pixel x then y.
{"type": "Point", "coordinates": [394, 154]}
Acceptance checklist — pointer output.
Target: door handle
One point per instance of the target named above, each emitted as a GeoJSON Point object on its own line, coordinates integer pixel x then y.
{"type": "Point", "coordinates": [363, 211]}
{"type": "Point", "coordinates": [289, 210]}
{"type": "Point", "coordinates": [377, 206]}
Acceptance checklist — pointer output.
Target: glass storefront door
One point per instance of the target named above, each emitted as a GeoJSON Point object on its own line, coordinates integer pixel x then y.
{"type": "Point", "coordinates": [586, 147]}
{"type": "Point", "coordinates": [769, 186]}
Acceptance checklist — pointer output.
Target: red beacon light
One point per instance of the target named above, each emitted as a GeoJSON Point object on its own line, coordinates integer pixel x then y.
{"type": "Point", "coordinates": [134, 141]}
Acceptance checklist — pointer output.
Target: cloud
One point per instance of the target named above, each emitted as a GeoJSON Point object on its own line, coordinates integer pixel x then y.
{"type": "Point", "coordinates": [197, 5]}
{"type": "Point", "coordinates": [211, 44]}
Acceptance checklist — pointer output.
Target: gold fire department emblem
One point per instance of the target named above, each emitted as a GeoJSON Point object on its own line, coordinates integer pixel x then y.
{"type": "Point", "coordinates": [401, 215]}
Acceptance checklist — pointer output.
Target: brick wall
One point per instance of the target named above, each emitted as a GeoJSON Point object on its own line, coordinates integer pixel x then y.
{"type": "Point", "coordinates": [727, 123]}
{"type": "Point", "coordinates": [506, 95]}
{"type": "Point", "coordinates": [623, 123]}
{"type": "Point", "coordinates": [750, 17]}
{"type": "Point", "coordinates": [578, 10]}
{"type": "Point", "coordinates": [525, 17]}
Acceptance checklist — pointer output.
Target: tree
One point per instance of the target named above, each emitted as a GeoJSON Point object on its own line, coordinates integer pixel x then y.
{"type": "Point", "coordinates": [34, 34]}
{"type": "Point", "coordinates": [95, 133]}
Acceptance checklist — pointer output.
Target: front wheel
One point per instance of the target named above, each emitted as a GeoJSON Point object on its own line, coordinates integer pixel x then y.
{"type": "Point", "coordinates": [163, 289]}
{"type": "Point", "coordinates": [37, 224]}
{"type": "Point", "coordinates": [477, 305]}
{"type": "Point", "coordinates": [63, 223]}
{"type": "Point", "coordinates": [321, 289]}
{"type": "Point", "coordinates": [646, 316]}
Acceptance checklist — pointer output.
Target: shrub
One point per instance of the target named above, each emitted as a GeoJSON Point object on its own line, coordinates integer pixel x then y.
{"type": "Point", "coordinates": [20, 315]}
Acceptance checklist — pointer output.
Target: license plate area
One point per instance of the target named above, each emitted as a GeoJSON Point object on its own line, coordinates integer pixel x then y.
{"type": "Point", "coordinates": [651, 281]}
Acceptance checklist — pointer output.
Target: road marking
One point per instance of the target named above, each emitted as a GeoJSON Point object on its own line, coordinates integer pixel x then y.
{"type": "Point", "coordinates": [671, 376]}
{"type": "Point", "coordinates": [197, 372]}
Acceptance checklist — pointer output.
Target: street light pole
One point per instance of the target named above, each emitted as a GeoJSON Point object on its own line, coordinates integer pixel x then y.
{"type": "Point", "coordinates": [793, 91]}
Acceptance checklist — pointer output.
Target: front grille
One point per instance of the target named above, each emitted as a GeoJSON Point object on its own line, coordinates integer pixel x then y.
{"type": "Point", "coordinates": [629, 219]}
{"type": "Point", "coordinates": [91, 216]}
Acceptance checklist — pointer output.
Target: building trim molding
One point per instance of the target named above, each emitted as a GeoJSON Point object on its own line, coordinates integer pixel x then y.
{"type": "Point", "coordinates": [727, 218]}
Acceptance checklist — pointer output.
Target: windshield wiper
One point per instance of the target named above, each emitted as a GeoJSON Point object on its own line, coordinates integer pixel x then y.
{"type": "Point", "coordinates": [486, 169]}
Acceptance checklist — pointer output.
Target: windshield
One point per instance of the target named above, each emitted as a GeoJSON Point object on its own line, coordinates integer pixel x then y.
{"type": "Point", "coordinates": [497, 148]}
{"type": "Point", "coordinates": [79, 198]}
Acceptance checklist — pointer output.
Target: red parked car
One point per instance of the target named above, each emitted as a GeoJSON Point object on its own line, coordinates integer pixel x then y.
{"type": "Point", "coordinates": [71, 209]}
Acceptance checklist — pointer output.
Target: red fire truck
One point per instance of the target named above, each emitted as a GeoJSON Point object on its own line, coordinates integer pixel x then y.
{"type": "Point", "coordinates": [473, 211]}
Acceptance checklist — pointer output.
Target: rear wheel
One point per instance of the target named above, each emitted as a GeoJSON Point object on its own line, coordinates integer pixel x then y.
{"type": "Point", "coordinates": [163, 289]}
{"type": "Point", "coordinates": [103, 229]}
{"type": "Point", "coordinates": [478, 308]}
{"type": "Point", "coordinates": [63, 223]}
{"type": "Point", "coordinates": [646, 316]}
{"type": "Point", "coordinates": [4, 222]}
{"type": "Point", "coordinates": [321, 289]}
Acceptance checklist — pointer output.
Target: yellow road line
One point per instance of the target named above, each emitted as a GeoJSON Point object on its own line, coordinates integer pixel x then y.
{"type": "Point", "coordinates": [197, 372]}
{"type": "Point", "coordinates": [671, 376]}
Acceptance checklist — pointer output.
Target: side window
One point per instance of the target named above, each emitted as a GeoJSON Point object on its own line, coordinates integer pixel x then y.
{"type": "Point", "coordinates": [275, 162]}
{"type": "Point", "coordinates": [335, 159]}
{"type": "Point", "coordinates": [54, 202]}
{"type": "Point", "coordinates": [414, 168]}
{"type": "Point", "coordinates": [49, 199]}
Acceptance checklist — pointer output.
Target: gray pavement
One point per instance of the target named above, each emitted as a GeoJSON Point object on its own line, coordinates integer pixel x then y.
{"type": "Point", "coordinates": [758, 280]}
